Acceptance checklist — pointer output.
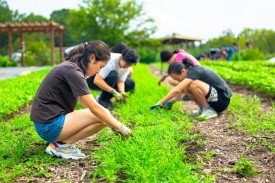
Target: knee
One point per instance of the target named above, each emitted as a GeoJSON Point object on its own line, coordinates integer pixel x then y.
{"type": "Point", "coordinates": [113, 74]}
{"type": "Point", "coordinates": [194, 85]}
{"type": "Point", "coordinates": [130, 85]}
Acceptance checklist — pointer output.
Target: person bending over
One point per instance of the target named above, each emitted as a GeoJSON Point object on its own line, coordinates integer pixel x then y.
{"type": "Point", "coordinates": [113, 80]}
{"type": "Point", "coordinates": [172, 57]}
{"type": "Point", "coordinates": [53, 106]}
{"type": "Point", "coordinates": [203, 86]}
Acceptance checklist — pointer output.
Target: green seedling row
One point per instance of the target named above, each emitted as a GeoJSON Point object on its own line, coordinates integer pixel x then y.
{"type": "Point", "coordinates": [257, 75]}
{"type": "Point", "coordinates": [155, 152]}
{"type": "Point", "coordinates": [20, 91]}
{"type": "Point", "coordinates": [22, 151]}
{"type": "Point", "coordinates": [250, 118]}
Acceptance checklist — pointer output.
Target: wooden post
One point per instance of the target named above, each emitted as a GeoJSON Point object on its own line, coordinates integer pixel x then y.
{"type": "Point", "coordinates": [60, 36]}
{"type": "Point", "coordinates": [10, 43]}
{"type": "Point", "coordinates": [22, 48]}
{"type": "Point", "coordinates": [52, 46]}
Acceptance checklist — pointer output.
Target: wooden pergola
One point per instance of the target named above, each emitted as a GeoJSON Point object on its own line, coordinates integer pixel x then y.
{"type": "Point", "coordinates": [177, 40]}
{"type": "Point", "coordinates": [47, 27]}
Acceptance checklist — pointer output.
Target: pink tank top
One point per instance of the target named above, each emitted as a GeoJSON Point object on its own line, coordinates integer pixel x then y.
{"type": "Point", "coordinates": [183, 54]}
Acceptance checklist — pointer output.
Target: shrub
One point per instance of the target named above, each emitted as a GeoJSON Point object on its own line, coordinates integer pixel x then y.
{"type": "Point", "coordinates": [148, 55]}
{"type": "Point", "coordinates": [6, 62]}
{"type": "Point", "coordinates": [37, 53]}
{"type": "Point", "coordinates": [249, 54]}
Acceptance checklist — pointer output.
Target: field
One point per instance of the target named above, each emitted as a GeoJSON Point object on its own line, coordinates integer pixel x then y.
{"type": "Point", "coordinates": [167, 146]}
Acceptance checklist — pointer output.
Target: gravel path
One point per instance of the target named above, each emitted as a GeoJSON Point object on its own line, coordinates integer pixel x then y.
{"type": "Point", "coordinates": [12, 72]}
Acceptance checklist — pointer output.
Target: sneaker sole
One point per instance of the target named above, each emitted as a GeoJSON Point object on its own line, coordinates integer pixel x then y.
{"type": "Point", "coordinates": [59, 155]}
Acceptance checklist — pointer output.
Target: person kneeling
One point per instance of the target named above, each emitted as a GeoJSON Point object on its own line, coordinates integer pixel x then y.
{"type": "Point", "coordinates": [203, 86]}
{"type": "Point", "coordinates": [113, 80]}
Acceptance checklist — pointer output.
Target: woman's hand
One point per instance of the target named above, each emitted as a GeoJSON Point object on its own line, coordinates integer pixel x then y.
{"type": "Point", "coordinates": [124, 131]}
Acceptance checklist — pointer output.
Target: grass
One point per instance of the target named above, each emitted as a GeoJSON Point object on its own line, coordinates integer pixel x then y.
{"type": "Point", "coordinates": [248, 117]}
{"type": "Point", "coordinates": [154, 153]}
{"type": "Point", "coordinates": [22, 151]}
{"type": "Point", "coordinates": [244, 167]}
{"type": "Point", "coordinates": [19, 91]}
{"type": "Point", "coordinates": [246, 113]}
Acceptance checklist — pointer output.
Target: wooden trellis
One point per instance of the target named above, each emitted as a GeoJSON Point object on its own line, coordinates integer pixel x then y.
{"type": "Point", "coordinates": [47, 27]}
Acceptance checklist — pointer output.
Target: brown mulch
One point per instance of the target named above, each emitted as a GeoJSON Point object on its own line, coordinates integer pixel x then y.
{"type": "Point", "coordinates": [227, 143]}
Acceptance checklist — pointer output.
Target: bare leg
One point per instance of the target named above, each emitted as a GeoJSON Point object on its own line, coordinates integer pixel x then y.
{"type": "Point", "coordinates": [79, 125]}
{"type": "Point", "coordinates": [197, 91]}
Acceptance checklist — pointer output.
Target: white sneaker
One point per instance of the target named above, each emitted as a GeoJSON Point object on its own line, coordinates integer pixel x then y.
{"type": "Point", "coordinates": [66, 151]}
{"type": "Point", "coordinates": [196, 112]}
{"type": "Point", "coordinates": [208, 114]}
{"type": "Point", "coordinates": [97, 97]}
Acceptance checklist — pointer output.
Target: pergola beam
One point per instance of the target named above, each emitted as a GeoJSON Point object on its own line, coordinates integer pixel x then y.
{"type": "Point", "coordinates": [47, 27]}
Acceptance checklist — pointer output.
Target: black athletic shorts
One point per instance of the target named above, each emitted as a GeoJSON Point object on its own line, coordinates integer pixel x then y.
{"type": "Point", "coordinates": [217, 99]}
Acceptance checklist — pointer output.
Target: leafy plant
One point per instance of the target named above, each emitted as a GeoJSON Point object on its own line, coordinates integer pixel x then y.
{"type": "Point", "coordinates": [17, 92]}
{"type": "Point", "coordinates": [244, 167]}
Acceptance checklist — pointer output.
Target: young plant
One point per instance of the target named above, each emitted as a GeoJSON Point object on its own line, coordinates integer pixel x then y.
{"type": "Point", "coordinates": [245, 167]}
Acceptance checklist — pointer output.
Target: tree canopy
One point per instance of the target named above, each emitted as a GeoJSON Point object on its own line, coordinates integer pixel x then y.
{"type": "Point", "coordinates": [111, 21]}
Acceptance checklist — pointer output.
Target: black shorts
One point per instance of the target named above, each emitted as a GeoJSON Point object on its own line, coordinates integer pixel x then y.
{"type": "Point", "coordinates": [217, 99]}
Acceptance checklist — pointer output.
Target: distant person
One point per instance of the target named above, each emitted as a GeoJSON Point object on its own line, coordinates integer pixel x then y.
{"type": "Point", "coordinates": [223, 54]}
{"type": "Point", "coordinates": [53, 113]}
{"type": "Point", "coordinates": [203, 86]}
{"type": "Point", "coordinates": [203, 56]}
{"type": "Point", "coordinates": [113, 80]}
{"type": "Point", "coordinates": [248, 45]}
{"type": "Point", "coordinates": [231, 50]}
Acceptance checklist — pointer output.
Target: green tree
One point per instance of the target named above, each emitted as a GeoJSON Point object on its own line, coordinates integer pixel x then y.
{"type": "Point", "coordinates": [61, 17]}
{"type": "Point", "coordinates": [111, 21]}
{"type": "Point", "coordinates": [5, 16]}
{"type": "Point", "coordinates": [263, 39]}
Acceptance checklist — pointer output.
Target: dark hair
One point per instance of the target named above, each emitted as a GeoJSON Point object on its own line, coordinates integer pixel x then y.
{"type": "Point", "coordinates": [119, 48]}
{"type": "Point", "coordinates": [187, 63]}
{"type": "Point", "coordinates": [165, 55]}
{"type": "Point", "coordinates": [130, 56]}
{"type": "Point", "coordinates": [81, 53]}
{"type": "Point", "coordinates": [176, 68]}
{"type": "Point", "coordinates": [176, 51]}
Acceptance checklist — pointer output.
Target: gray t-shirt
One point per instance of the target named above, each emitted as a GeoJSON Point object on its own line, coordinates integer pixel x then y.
{"type": "Point", "coordinates": [210, 77]}
{"type": "Point", "coordinates": [59, 92]}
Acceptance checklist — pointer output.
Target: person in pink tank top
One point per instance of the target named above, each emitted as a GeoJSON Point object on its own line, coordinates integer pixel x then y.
{"type": "Point", "coordinates": [176, 56]}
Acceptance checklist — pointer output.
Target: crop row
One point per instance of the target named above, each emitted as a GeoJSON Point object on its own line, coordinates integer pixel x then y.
{"type": "Point", "coordinates": [20, 91]}
{"type": "Point", "coordinates": [257, 75]}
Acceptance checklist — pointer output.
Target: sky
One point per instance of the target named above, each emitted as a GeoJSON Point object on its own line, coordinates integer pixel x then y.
{"type": "Point", "coordinates": [204, 19]}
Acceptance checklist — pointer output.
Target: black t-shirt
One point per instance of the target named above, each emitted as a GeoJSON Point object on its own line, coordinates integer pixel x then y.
{"type": "Point", "coordinates": [59, 92]}
{"type": "Point", "coordinates": [210, 77]}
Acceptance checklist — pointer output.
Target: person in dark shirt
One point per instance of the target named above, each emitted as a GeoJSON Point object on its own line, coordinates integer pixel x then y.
{"type": "Point", "coordinates": [203, 86]}
{"type": "Point", "coordinates": [53, 106]}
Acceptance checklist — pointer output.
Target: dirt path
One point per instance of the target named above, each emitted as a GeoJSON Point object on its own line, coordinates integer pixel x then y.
{"type": "Point", "coordinates": [227, 144]}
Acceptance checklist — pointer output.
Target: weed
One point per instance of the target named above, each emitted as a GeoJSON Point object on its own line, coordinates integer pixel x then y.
{"type": "Point", "coordinates": [244, 167]}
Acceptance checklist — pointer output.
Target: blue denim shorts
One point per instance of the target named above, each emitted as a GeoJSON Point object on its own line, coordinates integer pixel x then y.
{"type": "Point", "coordinates": [50, 131]}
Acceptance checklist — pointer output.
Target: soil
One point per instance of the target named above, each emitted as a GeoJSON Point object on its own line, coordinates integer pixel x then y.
{"type": "Point", "coordinates": [218, 137]}
{"type": "Point", "coordinates": [227, 143]}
